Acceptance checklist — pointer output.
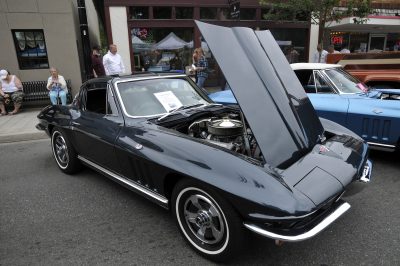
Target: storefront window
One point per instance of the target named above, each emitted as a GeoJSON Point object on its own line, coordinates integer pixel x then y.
{"type": "Point", "coordinates": [162, 12]}
{"type": "Point", "coordinates": [340, 40]}
{"type": "Point", "coordinates": [31, 49]}
{"type": "Point", "coordinates": [247, 13]}
{"type": "Point", "coordinates": [292, 42]}
{"type": "Point", "coordinates": [224, 14]}
{"type": "Point", "coordinates": [162, 49]}
{"type": "Point", "coordinates": [393, 42]}
{"type": "Point", "coordinates": [184, 12]}
{"type": "Point", "coordinates": [139, 12]}
{"type": "Point", "coordinates": [208, 12]}
{"type": "Point", "coordinates": [359, 42]}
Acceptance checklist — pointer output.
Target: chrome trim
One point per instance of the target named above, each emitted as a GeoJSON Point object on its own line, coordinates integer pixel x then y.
{"type": "Point", "coordinates": [382, 145]}
{"type": "Point", "coordinates": [125, 181]}
{"type": "Point", "coordinates": [366, 176]}
{"type": "Point", "coordinates": [314, 231]}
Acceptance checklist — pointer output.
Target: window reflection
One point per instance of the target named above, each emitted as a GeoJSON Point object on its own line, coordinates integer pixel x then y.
{"type": "Point", "coordinates": [184, 12]}
{"type": "Point", "coordinates": [208, 12]}
{"type": "Point", "coordinates": [162, 12]}
{"type": "Point", "coordinates": [139, 12]}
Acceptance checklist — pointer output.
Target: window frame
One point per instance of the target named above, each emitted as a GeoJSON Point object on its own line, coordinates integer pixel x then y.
{"type": "Point", "coordinates": [22, 59]}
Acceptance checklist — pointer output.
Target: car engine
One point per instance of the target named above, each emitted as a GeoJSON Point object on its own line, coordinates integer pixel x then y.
{"type": "Point", "coordinates": [228, 132]}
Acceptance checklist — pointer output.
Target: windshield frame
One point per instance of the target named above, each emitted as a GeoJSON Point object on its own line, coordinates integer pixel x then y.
{"type": "Point", "coordinates": [133, 79]}
{"type": "Point", "coordinates": [347, 76]}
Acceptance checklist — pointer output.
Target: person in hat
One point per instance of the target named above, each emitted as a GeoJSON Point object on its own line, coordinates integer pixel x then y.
{"type": "Point", "coordinates": [10, 90]}
{"type": "Point", "coordinates": [97, 62]}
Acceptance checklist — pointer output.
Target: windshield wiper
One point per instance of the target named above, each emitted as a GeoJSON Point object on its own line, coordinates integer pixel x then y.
{"type": "Point", "coordinates": [182, 107]}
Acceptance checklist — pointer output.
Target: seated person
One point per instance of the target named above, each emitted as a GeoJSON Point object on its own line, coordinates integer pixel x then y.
{"type": "Point", "coordinates": [10, 89]}
{"type": "Point", "coordinates": [57, 87]}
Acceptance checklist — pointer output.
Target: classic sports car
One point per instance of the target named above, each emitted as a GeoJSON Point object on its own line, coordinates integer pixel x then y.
{"type": "Point", "coordinates": [373, 114]}
{"type": "Point", "coordinates": [269, 165]}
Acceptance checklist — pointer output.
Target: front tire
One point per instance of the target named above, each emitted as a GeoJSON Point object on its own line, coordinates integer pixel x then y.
{"type": "Point", "coordinates": [64, 153]}
{"type": "Point", "coordinates": [207, 221]}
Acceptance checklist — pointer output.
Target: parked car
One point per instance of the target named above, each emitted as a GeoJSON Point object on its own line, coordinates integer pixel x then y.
{"type": "Point", "coordinates": [380, 70]}
{"type": "Point", "coordinates": [271, 165]}
{"type": "Point", "coordinates": [373, 114]}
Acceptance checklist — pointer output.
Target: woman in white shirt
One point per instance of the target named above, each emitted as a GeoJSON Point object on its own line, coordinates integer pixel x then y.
{"type": "Point", "coordinates": [57, 87]}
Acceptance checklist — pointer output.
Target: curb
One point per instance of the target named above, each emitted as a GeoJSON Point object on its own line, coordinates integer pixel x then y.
{"type": "Point", "coordinates": [23, 137]}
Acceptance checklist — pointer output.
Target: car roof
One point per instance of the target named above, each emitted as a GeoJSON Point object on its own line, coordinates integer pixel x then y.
{"type": "Point", "coordinates": [300, 66]}
{"type": "Point", "coordinates": [135, 76]}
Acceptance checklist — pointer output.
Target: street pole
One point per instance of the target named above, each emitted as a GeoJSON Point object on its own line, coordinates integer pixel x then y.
{"type": "Point", "coordinates": [84, 32]}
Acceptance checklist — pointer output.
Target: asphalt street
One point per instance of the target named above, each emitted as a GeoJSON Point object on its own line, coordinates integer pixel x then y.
{"type": "Point", "coordinates": [49, 218]}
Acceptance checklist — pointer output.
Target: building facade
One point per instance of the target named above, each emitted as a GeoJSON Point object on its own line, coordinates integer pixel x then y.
{"type": "Point", "coordinates": [150, 33]}
{"type": "Point", "coordinates": [380, 32]}
{"type": "Point", "coordinates": [38, 34]}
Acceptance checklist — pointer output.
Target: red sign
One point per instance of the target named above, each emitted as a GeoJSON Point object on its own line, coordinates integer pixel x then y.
{"type": "Point", "coordinates": [337, 39]}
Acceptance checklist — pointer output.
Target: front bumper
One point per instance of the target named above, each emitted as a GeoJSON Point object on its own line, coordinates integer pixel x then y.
{"type": "Point", "coordinates": [307, 232]}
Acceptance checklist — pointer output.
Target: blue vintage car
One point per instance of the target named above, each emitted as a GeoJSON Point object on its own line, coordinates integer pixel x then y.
{"type": "Point", "coordinates": [338, 96]}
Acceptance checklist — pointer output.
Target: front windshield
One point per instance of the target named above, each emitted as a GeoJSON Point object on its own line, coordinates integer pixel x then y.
{"type": "Point", "coordinates": [344, 82]}
{"type": "Point", "coordinates": [158, 96]}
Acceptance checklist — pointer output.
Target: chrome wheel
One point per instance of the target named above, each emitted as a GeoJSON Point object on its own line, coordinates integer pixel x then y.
{"type": "Point", "coordinates": [60, 150]}
{"type": "Point", "coordinates": [204, 219]}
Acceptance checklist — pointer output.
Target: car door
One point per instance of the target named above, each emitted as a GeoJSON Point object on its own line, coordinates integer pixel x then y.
{"type": "Point", "coordinates": [326, 101]}
{"type": "Point", "coordinates": [97, 124]}
{"type": "Point", "coordinates": [374, 120]}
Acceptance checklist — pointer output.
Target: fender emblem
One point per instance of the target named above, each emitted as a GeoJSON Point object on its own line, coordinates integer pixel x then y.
{"type": "Point", "coordinates": [138, 146]}
{"type": "Point", "coordinates": [323, 148]}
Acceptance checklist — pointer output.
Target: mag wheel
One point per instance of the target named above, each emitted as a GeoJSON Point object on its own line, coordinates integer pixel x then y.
{"type": "Point", "coordinates": [64, 153]}
{"type": "Point", "coordinates": [207, 221]}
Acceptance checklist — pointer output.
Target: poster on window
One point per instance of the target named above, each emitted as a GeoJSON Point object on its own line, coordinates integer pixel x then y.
{"type": "Point", "coordinates": [168, 100]}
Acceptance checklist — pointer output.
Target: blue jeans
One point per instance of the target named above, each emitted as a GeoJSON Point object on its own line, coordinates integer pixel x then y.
{"type": "Point", "coordinates": [54, 94]}
{"type": "Point", "coordinates": [200, 82]}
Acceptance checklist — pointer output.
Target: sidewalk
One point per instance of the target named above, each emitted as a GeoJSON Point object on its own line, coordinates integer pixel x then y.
{"type": "Point", "coordinates": [20, 127]}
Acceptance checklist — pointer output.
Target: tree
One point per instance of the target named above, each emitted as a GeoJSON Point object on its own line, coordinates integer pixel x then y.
{"type": "Point", "coordinates": [317, 11]}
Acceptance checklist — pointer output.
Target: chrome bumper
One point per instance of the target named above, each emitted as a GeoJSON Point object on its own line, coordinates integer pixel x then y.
{"type": "Point", "coordinates": [305, 235]}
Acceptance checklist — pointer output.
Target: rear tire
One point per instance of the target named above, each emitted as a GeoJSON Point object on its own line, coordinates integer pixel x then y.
{"type": "Point", "coordinates": [207, 221]}
{"type": "Point", "coordinates": [64, 153]}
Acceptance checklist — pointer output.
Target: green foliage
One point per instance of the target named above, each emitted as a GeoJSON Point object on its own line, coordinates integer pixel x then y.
{"type": "Point", "coordinates": [316, 11]}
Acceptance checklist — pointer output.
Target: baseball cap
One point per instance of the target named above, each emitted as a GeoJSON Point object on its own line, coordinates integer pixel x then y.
{"type": "Point", "coordinates": [3, 74]}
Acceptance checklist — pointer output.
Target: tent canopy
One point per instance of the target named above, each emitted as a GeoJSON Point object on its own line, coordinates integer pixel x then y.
{"type": "Point", "coordinates": [170, 42]}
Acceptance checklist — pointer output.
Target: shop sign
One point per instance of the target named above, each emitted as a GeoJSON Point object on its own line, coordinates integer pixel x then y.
{"type": "Point", "coordinates": [234, 9]}
{"type": "Point", "coordinates": [337, 40]}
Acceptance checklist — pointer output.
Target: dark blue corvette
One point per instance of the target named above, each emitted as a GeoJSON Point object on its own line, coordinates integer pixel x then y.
{"type": "Point", "coordinates": [268, 165]}
{"type": "Point", "coordinates": [336, 95]}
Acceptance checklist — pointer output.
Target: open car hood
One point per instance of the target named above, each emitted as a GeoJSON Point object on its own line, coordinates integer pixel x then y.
{"type": "Point", "coordinates": [269, 94]}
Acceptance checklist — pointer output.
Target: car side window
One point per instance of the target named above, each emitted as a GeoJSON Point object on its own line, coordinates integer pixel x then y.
{"type": "Point", "coordinates": [306, 79]}
{"type": "Point", "coordinates": [320, 83]}
{"type": "Point", "coordinates": [111, 104]}
{"type": "Point", "coordinates": [96, 98]}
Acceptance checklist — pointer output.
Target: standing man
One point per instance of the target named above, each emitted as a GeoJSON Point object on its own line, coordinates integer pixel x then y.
{"type": "Point", "coordinates": [97, 62]}
{"type": "Point", "coordinates": [112, 62]}
{"type": "Point", "coordinates": [320, 55]}
{"type": "Point", "coordinates": [331, 49]}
